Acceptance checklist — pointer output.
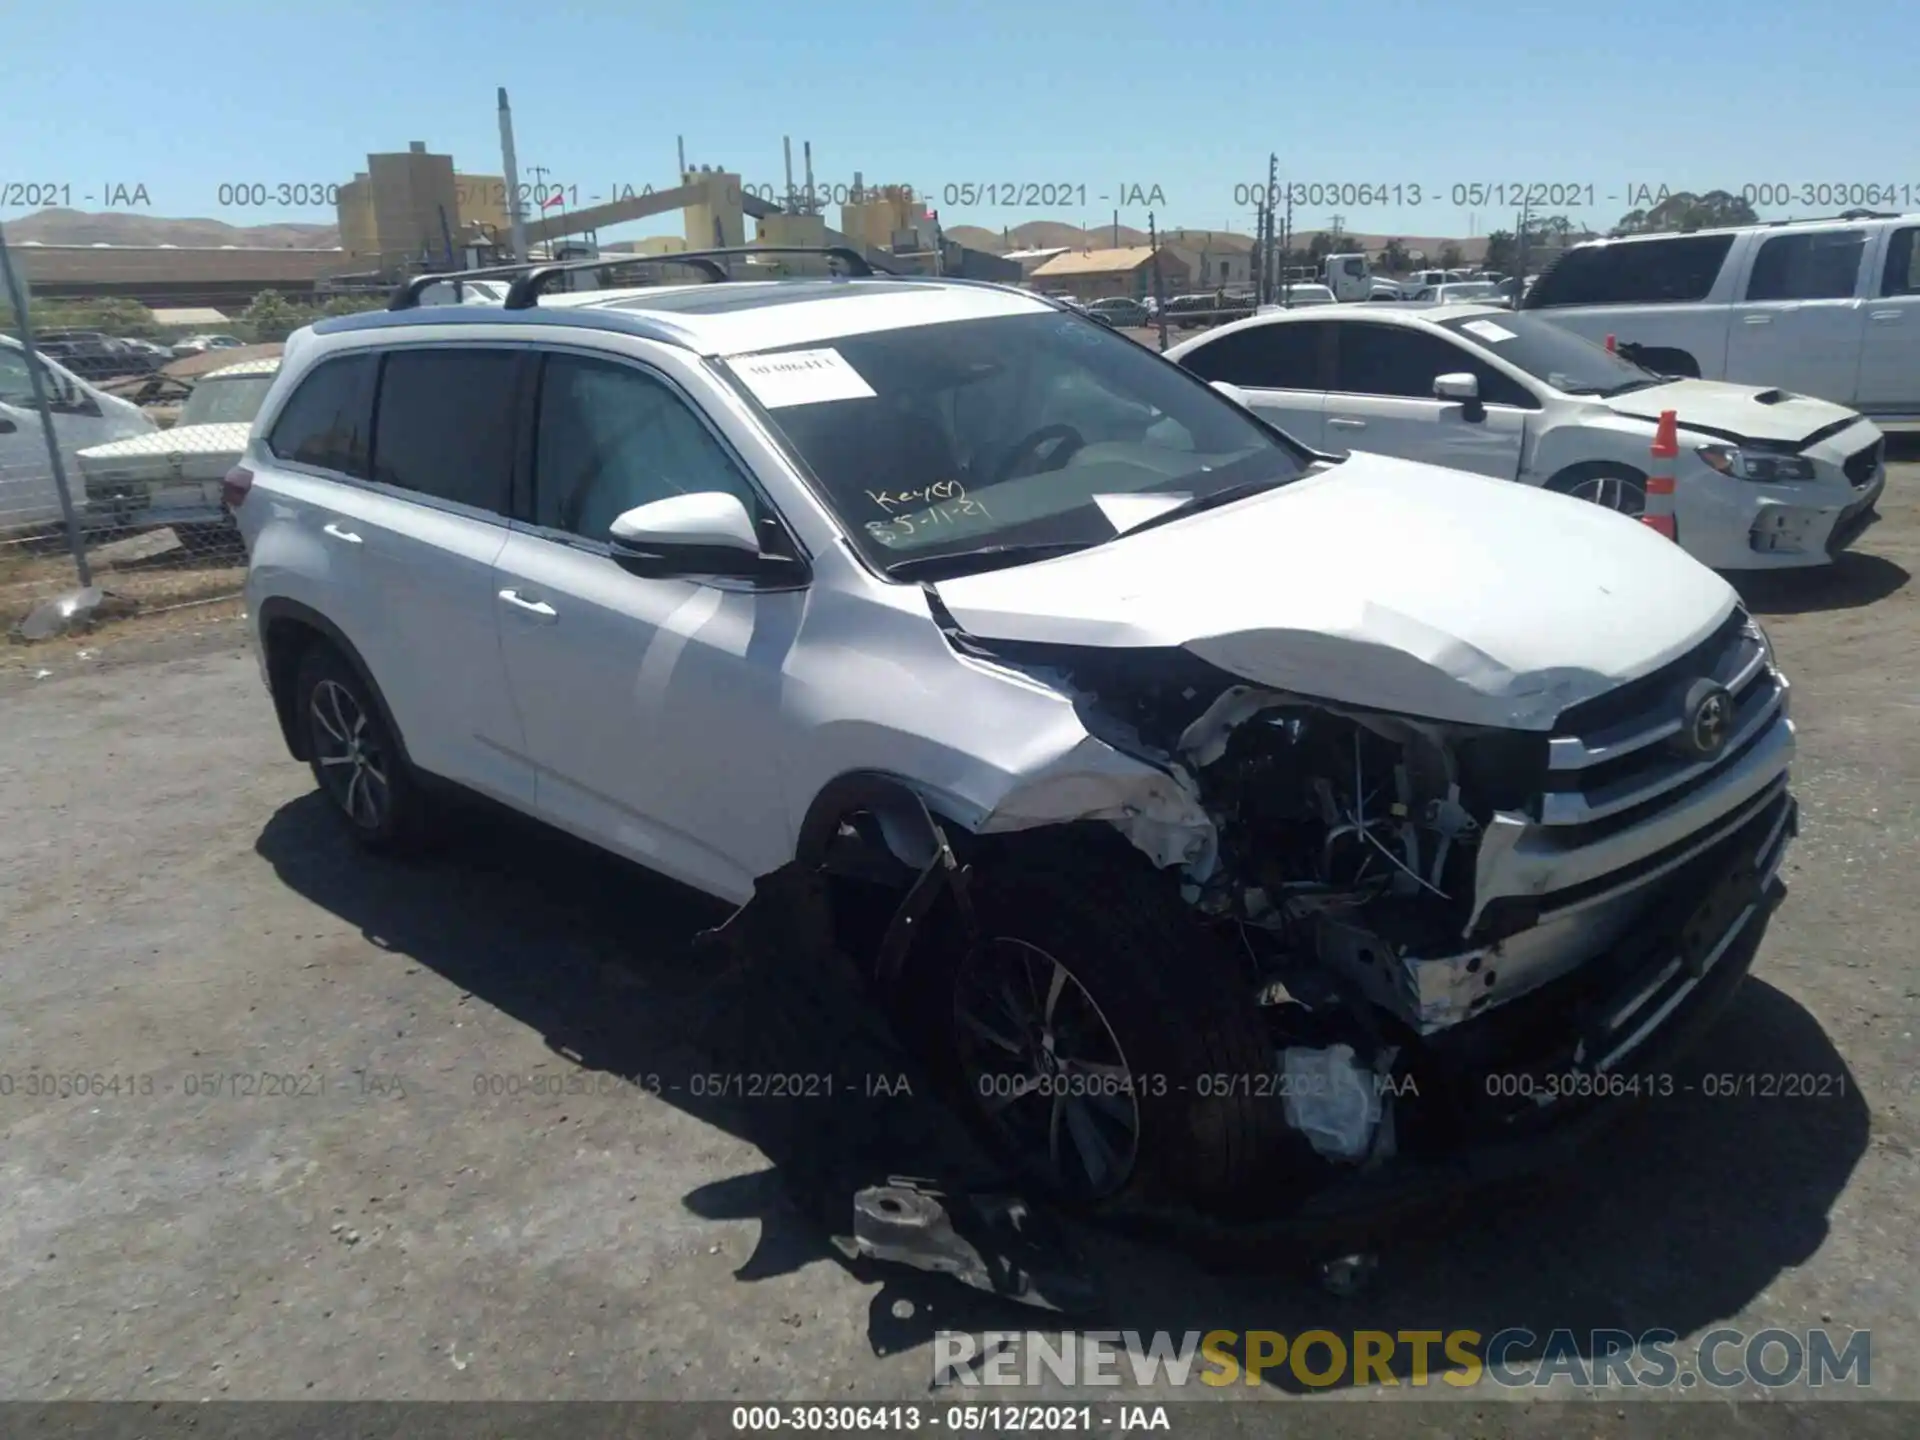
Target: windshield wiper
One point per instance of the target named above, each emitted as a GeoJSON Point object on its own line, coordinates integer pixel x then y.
{"type": "Point", "coordinates": [988, 557]}
{"type": "Point", "coordinates": [1208, 502]}
{"type": "Point", "coordinates": [1629, 385]}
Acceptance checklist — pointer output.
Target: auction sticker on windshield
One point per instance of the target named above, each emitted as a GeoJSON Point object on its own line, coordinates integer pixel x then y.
{"type": "Point", "coordinates": [1487, 330]}
{"type": "Point", "coordinates": [801, 377]}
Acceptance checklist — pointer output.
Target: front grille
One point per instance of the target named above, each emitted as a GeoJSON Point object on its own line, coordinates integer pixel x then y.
{"type": "Point", "coordinates": [1863, 465]}
{"type": "Point", "coordinates": [1610, 764]}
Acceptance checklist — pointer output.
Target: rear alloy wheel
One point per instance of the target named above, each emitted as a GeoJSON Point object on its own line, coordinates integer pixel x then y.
{"type": "Point", "coordinates": [354, 757]}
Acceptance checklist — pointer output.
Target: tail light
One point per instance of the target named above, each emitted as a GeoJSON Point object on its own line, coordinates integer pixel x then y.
{"type": "Point", "coordinates": [234, 488]}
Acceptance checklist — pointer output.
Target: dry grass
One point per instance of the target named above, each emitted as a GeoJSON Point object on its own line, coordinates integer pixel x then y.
{"type": "Point", "coordinates": [35, 570]}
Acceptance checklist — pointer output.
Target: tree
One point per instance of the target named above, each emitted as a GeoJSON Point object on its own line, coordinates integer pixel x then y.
{"type": "Point", "coordinates": [1683, 211]}
{"type": "Point", "coordinates": [1394, 259]}
{"type": "Point", "coordinates": [271, 318]}
{"type": "Point", "coordinates": [353, 305]}
{"type": "Point", "coordinates": [1450, 257]}
{"type": "Point", "coordinates": [1503, 252]}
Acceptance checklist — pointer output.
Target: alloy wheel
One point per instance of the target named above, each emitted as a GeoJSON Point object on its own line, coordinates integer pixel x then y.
{"type": "Point", "coordinates": [1045, 1069]}
{"type": "Point", "coordinates": [1612, 492]}
{"type": "Point", "coordinates": [352, 763]}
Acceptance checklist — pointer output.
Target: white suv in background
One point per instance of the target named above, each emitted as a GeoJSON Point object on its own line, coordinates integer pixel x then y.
{"type": "Point", "coordinates": [1828, 308]}
{"type": "Point", "coordinates": [1086, 711]}
{"type": "Point", "coordinates": [1763, 480]}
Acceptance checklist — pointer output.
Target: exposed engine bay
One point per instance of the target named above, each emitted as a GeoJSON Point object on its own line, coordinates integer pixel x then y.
{"type": "Point", "coordinates": [1347, 857]}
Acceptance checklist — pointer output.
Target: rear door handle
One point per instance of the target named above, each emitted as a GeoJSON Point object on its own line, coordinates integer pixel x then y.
{"type": "Point", "coordinates": [532, 607]}
{"type": "Point", "coordinates": [1757, 319]}
{"type": "Point", "coordinates": [337, 533]}
{"type": "Point", "coordinates": [1341, 422]}
{"type": "Point", "coordinates": [1884, 315]}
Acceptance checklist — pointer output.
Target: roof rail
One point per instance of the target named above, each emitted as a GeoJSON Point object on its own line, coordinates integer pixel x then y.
{"type": "Point", "coordinates": [1843, 215]}
{"type": "Point", "coordinates": [525, 291]}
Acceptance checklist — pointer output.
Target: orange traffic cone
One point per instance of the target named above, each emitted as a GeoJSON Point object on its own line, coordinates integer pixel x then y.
{"type": "Point", "coordinates": [1658, 511]}
{"type": "Point", "coordinates": [1611, 349]}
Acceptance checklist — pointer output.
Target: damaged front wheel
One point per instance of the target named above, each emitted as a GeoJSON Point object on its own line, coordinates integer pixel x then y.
{"type": "Point", "coordinates": [1091, 1031]}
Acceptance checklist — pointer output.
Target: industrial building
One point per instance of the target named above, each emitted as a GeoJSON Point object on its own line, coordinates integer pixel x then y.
{"type": "Point", "coordinates": [1100, 274]}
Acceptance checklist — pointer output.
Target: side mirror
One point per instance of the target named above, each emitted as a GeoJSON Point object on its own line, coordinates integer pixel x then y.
{"type": "Point", "coordinates": [706, 533]}
{"type": "Point", "coordinates": [1232, 392]}
{"type": "Point", "coordinates": [1464, 388]}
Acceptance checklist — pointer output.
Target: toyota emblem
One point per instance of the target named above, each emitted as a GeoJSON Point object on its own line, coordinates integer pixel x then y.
{"type": "Point", "coordinates": [1706, 720]}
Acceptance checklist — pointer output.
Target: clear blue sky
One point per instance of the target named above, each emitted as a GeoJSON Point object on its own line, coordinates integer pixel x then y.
{"type": "Point", "coordinates": [184, 97]}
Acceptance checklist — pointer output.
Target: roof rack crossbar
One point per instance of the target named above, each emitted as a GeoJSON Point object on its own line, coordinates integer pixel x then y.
{"type": "Point", "coordinates": [407, 294]}
{"type": "Point", "coordinates": [525, 291]}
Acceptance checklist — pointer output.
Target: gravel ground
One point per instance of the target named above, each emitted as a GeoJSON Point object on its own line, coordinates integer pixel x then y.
{"type": "Point", "coordinates": [451, 1196]}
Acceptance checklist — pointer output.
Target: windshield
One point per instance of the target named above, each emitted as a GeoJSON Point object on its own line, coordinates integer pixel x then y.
{"type": "Point", "coordinates": [1014, 430]}
{"type": "Point", "coordinates": [232, 401]}
{"type": "Point", "coordinates": [1564, 360]}
{"type": "Point", "coordinates": [16, 385]}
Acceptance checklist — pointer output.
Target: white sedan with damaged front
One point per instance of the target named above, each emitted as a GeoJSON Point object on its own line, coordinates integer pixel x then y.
{"type": "Point", "coordinates": [1763, 479]}
{"type": "Point", "coordinates": [1220, 819]}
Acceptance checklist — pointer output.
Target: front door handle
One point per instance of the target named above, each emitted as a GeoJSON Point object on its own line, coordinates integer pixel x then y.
{"type": "Point", "coordinates": [337, 533]}
{"type": "Point", "coordinates": [1757, 319]}
{"type": "Point", "coordinates": [1884, 316]}
{"type": "Point", "coordinates": [1341, 422]}
{"type": "Point", "coordinates": [532, 607]}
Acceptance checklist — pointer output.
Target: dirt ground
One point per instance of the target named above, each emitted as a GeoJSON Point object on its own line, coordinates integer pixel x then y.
{"type": "Point", "coordinates": [454, 1195]}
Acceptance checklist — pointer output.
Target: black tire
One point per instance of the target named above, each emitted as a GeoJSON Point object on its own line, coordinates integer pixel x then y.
{"type": "Point", "coordinates": [1619, 488]}
{"type": "Point", "coordinates": [356, 760]}
{"type": "Point", "coordinates": [1178, 1006]}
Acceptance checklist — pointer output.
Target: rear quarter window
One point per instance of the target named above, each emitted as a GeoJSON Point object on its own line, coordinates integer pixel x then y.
{"type": "Point", "coordinates": [328, 420]}
{"type": "Point", "coordinates": [1668, 271]}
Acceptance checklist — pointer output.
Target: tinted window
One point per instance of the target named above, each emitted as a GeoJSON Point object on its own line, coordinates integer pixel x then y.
{"type": "Point", "coordinates": [609, 438]}
{"type": "Point", "coordinates": [1399, 361]}
{"type": "Point", "coordinates": [1264, 357]}
{"type": "Point", "coordinates": [328, 422]}
{"type": "Point", "coordinates": [1634, 272]}
{"type": "Point", "coordinates": [1563, 359]}
{"type": "Point", "coordinates": [446, 425]}
{"type": "Point", "coordinates": [1822, 265]}
{"type": "Point", "coordinates": [1008, 430]}
{"type": "Point", "coordinates": [1902, 275]}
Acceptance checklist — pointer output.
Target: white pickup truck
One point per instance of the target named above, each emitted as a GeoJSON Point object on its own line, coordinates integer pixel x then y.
{"type": "Point", "coordinates": [1829, 308]}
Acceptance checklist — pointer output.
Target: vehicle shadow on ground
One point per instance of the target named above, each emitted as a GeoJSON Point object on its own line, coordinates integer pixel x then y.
{"type": "Point", "coordinates": [1854, 580]}
{"type": "Point", "coordinates": [1682, 1216]}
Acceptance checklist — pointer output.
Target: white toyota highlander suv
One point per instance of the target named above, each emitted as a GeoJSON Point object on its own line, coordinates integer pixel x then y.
{"type": "Point", "coordinates": [1226, 823]}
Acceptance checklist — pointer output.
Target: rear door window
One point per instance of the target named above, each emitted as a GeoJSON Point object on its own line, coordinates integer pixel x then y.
{"type": "Point", "coordinates": [1815, 265]}
{"type": "Point", "coordinates": [1673, 270]}
{"type": "Point", "coordinates": [328, 421]}
{"type": "Point", "coordinates": [1266, 357]}
{"type": "Point", "coordinates": [446, 425]}
{"type": "Point", "coordinates": [1902, 275]}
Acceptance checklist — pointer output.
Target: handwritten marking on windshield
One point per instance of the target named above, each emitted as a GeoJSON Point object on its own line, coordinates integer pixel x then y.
{"type": "Point", "coordinates": [893, 531]}
{"type": "Point", "coordinates": [940, 490]}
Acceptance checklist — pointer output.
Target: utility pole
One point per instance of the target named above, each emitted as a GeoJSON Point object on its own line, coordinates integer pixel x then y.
{"type": "Point", "coordinates": [1159, 289]}
{"type": "Point", "coordinates": [516, 212]}
{"type": "Point", "coordinates": [1272, 199]}
{"type": "Point", "coordinates": [1286, 242]}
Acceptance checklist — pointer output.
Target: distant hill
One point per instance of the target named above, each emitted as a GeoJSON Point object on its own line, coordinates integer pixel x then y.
{"type": "Point", "coordinates": [119, 227]}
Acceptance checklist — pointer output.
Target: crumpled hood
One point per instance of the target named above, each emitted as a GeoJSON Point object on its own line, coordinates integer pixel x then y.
{"type": "Point", "coordinates": [1739, 411]}
{"type": "Point", "coordinates": [1382, 583]}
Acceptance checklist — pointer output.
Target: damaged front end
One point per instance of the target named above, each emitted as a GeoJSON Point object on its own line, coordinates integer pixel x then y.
{"type": "Point", "coordinates": [1458, 936]}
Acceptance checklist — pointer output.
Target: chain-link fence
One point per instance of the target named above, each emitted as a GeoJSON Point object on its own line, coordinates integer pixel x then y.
{"type": "Point", "coordinates": [146, 407]}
